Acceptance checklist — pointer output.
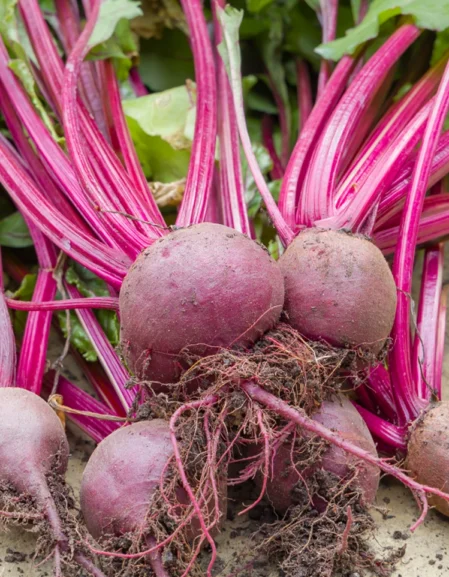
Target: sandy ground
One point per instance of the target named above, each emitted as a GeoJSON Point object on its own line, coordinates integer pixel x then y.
{"type": "Point", "coordinates": [427, 550]}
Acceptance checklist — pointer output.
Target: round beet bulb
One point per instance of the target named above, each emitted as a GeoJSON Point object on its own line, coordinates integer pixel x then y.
{"type": "Point", "coordinates": [122, 475]}
{"type": "Point", "coordinates": [33, 445]}
{"type": "Point", "coordinates": [199, 288]}
{"type": "Point", "coordinates": [339, 289]}
{"type": "Point", "coordinates": [428, 452]}
{"type": "Point", "coordinates": [339, 415]}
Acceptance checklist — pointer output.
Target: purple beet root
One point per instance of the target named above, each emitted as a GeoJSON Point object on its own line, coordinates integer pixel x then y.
{"type": "Point", "coordinates": [428, 452]}
{"type": "Point", "coordinates": [338, 415]}
{"type": "Point", "coordinates": [339, 289]}
{"type": "Point", "coordinates": [33, 445]}
{"type": "Point", "coordinates": [199, 288]}
{"type": "Point", "coordinates": [121, 477]}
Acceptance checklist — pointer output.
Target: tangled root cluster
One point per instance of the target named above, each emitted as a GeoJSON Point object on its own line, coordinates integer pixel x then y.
{"type": "Point", "coordinates": [331, 540]}
{"type": "Point", "coordinates": [283, 362]}
{"type": "Point", "coordinates": [216, 422]}
{"type": "Point", "coordinates": [22, 510]}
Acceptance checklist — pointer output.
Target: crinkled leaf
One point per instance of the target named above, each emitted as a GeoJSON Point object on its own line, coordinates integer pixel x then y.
{"type": "Point", "coordinates": [166, 63]}
{"type": "Point", "coordinates": [24, 74]}
{"type": "Point", "coordinates": [13, 32]}
{"type": "Point", "coordinates": [441, 46]}
{"type": "Point", "coordinates": [78, 337]}
{"type": "Point", "coordinates": [8, 21]}
{"type": "Point", "coordinates": [90, 285]}
{"type": "Point", "coordinates": [257, 5]}
{"type": "Point", "coordinates": [162, 127]}
{"type": "Point", "coordinates": [252, 195]}
{"type": "Point", "coordinates": [121, 47]}
{"type": "Point", "coordinates": [160, 161]}
{"type": "Point", "coordinates": [428, 14]}
{"type": "Point", "coordinates": [26, 49]}
{"type": "Point", "coordinates": [111, 13]}
{"type": "Point", "coordinates": [189, 130]}
{"type": "Point", "coordinates": [26, 288]}
{"type": "Point", "coordinates": [164, 114]}
{"type": "Point", "coordinates": [14, 232]}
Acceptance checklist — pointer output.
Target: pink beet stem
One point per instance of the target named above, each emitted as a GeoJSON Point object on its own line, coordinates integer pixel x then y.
{"type": "Point", "coordinates": [289, 198]}
{"type": "Point", "coordinates": [408, 404]}
{"type": "Point", "coordinates": [304, 90]}
{"type": "Point", "coordinates": [200, 174]}
{"type": "Point", "coordinates": [68, 304]}
{"type": "Point", "coordinates": [329, 12]}
{"type": "Point", "coordinates": [7, 343]}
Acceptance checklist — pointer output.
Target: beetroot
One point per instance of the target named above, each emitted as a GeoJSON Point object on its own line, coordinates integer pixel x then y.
{"type": "Point", "coordinates": [428, 450]}
{"type": "Point", "coordinates": [124, 471]}
{"type": "Point", "coordinates": [202, 287]}
{"type": "Point", "coordinates": [339, 289]}
{"type": "Point", "coordinates": [340, 416]}
{"type": "Point", "coordinates": [33, 446]}
{"type": "Point", "coordinates": [121, 479]}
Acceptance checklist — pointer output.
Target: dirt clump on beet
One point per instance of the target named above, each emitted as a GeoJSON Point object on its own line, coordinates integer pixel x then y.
{"type": "Point", "coordinates": [300, 371]}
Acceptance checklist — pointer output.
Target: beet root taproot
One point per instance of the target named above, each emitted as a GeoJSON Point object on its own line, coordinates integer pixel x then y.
{"type": "Point", "coordinates": [428, 452]}
{"type": "Point", "coordinates": [198, 289]}
{"type": "Point", "coordinates": [339, 289]}
{"type": "Point", "coordinates": [339, 415]}
{"type": "Point", "coordinates": [33, 446]}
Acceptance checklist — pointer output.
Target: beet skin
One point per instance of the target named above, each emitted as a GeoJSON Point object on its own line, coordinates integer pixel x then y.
{"type": "Point", "coordinates": [33, 445]}
{"type": "Point", "coordinates": [340, 416]}
{"type": "Point", "coordinates": [428, 452]}
{"type": "Point", "coordinates": [202, 287]}
{"type": "Point", "coordinates": [339, 288]}
{"type": "Point", "coordinates": [121, 477]}
{"type": "Point", "coordinates": [32, 440]}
